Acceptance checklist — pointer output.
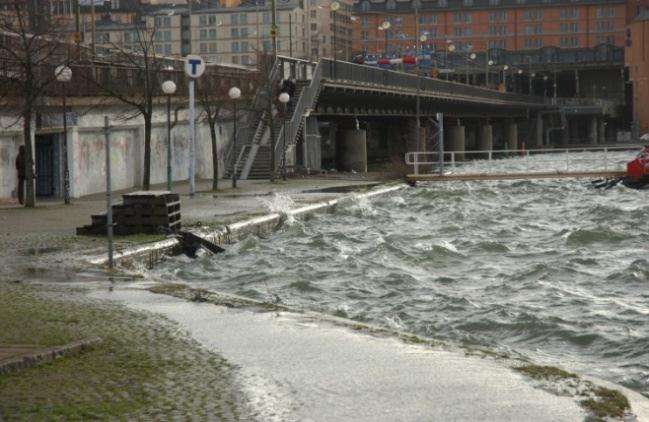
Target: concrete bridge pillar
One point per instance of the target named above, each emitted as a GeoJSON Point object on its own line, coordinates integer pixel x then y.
{"type": "Point", "coordinates": [601, 132]}
{"type": "Point", "coordinates": [574, 131]}
{"type": "Point", "coordinates": [511, 136]}
{"type": "Point", "coordinates": [456, 141]}
{"type": "Point", "coordinates": [486, 138]}
{"type": "Point", "coordinates": [352, 150]}
{"type": "Point", "coordinates": [539, 130]}
{"type": "Point", "coordinates": [592, 131]}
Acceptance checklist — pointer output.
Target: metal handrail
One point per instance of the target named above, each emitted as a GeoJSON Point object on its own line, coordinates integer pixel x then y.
{"type": "Point", "coordinates": [359, 73]}
{"type": "Point", "coordinates": [257, 104]}
{"type": "Point", "coordinates": [458, 158]}
{"type": "Point", "coordinates": [307, 100]}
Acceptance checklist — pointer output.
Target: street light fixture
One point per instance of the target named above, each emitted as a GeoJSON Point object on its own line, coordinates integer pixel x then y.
{"type": "Point", "coordinates": [545, 87]}
{"type": "Point", "coordinates": [284, 98]}
{"type": "Point", "coordinates": [234, 93]}
{"type": "Point", "coordinates": [469, 60]}
{"type": "Point", "coordinates": [334, 9]}
{"type": "Point", "coordinates": [169, 89]}
{"type": "Point", "coordinates": [488, 72]}
{"type": "Point", "coordinates": [451, 49]}
{"type": "Point", "coordinates": [64, 75]}
{"type": "Point", "coordinates": [385, 26]}
{"type": "Point", "coordinates": [520, 80]}
{"type": "Point", "coordinates": [504, 79]}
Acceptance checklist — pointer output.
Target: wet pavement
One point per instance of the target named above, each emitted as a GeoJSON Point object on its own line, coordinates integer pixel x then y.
{"type": "Point", "coordinates": [297, 368]}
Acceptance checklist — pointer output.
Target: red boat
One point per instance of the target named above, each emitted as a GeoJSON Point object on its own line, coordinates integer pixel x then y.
{"type": "Point", "coordinates": [637, 171]}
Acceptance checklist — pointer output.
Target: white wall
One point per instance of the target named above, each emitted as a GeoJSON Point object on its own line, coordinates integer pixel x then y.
{"type": "Point", "coordinates": [86, 150]}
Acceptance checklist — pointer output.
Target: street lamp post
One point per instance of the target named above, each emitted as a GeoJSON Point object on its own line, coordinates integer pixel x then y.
{"type": "Point", "coordinates": [334, 10]}
{"type": "Point", "coordinates": [488, 72]}
{"type": "Point", "coordinates": [545, 87]}
{"type": "Point", "coordinates": [64, 75]}
{"type": "Point", "coordinates": [169, 89]}
{"type": "Point", "coordinates": [470, 58]}
{"type": "Point", "coordinates": [520, 80]}
{"type": "Point", "coordinates": [449, 55]}
{"type": "Point", "coordinates": [420, 39]}
{"type": "Point", "coordinates": [505, 69]}
{"type": "Point", "coordinates": [385, 26]}
{"type": "Point", "coordinates": [234, 93]}
{"type": "Point", "coordinates": [284, 98]}
{"type": "Point", "coordinates": [531, 80]}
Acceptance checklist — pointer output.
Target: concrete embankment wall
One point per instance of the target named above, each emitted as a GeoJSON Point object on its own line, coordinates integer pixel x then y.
{"type": "Point", "coordinates": [150, 254]}
{"type": "Point", "coordinates": [86, 149]}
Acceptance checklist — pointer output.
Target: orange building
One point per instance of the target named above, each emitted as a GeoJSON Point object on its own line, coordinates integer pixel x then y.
{"type": "Point", "coordinates": [478, 25]}
{"type": "Point", "coordinates": [637, 60]}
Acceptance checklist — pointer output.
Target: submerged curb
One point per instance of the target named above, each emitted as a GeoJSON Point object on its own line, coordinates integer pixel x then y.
{"type": "Point", "coordinates": [152, 253]}
{"type": "Point", "coordinates": [46, 355]}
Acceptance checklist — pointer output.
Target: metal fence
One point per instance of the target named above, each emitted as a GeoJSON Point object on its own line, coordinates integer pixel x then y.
{"type": "Point", "coordinates": [524, 161]}
{"type": "Point", "coordinates": [369, 75]}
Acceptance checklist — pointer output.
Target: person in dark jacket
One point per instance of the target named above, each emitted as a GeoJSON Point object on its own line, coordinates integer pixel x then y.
{"type": "Point", "coordinates": [22, 174]}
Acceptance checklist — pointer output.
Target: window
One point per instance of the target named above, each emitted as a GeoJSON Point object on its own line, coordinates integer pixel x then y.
{"type": "Point", "coordinates": [364, 21]}
{"type": "Point", "coordinates": [234, 19]}
{"type": "Point", "coordinates": [244, 46]}
{"type": "Point", "coordinates": [390, 5]}
{"type": "Point", "coordinates": [234, 32]}
{"type": "Point", "coordinates": [234, 46]}
{"type": "Point", "coordinates": [243, 33]}
{"type": "Point", "coordinates": [245, 60]}
{"type": "Point", "coordinates": [212, 34]}
{"type": "Point", "coordinates": [365, 7]}
{"type": "Point", "coordinates": [213, 47]}
{"type": "Point", "coordinates": [364, 35]}
{"type": "Point", "coordinates": [168, 49]}
{"type": "Point", "coordinates": [442, 3]}
{"type": "Point", "coordinates": [202, 34]}
{"type": "Point", "coordinates": [266, 18]}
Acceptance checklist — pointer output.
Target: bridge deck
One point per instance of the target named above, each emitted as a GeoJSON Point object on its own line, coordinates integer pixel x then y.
{"type": "Point", "coordinates": [413, 178]}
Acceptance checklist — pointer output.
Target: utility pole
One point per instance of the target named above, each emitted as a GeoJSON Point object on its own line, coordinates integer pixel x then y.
{"type": "Point", "coordinates": [417, 55]}
{"type": "Point", "coordinates": [271, 85]}
{"type": "Point", "coordinates": [92, 27]}
{"type": "Point", "coordinates": [77, 34]}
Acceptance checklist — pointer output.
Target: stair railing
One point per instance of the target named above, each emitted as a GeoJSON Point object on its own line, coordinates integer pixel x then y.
{"type": "Point", "coordinates": [307, 100]}
{"type": "Point", "coordinates": [248, 130]}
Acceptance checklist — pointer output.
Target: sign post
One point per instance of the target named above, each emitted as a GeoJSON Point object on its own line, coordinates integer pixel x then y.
{"type": "Point", "coordinates": [194, 68]}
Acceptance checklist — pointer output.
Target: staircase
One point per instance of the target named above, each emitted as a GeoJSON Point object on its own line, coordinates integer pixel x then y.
{"type": "Point", "coordinates": [253, 157]}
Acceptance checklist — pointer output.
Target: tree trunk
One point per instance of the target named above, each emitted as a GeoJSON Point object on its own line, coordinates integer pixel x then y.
{"type": "Point", "coordinates": [215, 156]}
{"type": "Point", "coordinates": [146, 178]}
{"type": "Point", "coordinates": [29, 160]}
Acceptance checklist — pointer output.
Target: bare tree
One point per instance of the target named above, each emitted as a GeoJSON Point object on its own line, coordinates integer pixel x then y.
{"type": "Point", "coordinates": [210, 95]}
{"type": "Point", "coordinates": [145, 67]}
{"type": "Point", "coordinates": [32, 45]}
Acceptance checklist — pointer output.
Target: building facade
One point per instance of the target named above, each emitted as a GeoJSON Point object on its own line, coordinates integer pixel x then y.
{"type": "Point", "coordinates": [389, 26]}
{"type": "Point", "coordinates": [637, 60]}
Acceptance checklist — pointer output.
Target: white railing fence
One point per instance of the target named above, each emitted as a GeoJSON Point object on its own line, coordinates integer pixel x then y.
{"type": "Point", "coordinates": [523, 161]}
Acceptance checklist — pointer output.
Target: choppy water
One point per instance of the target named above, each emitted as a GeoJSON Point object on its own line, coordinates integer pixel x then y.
{"type": "Point", "coordinates": [553, 270]}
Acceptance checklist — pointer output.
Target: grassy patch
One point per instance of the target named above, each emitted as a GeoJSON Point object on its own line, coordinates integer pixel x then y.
{"type": "Point", "coordinates": [609, 403]}
{"type": "Point", "coordinates": [545, 372]}
{"type": "Point", "coordinates": [142, 363]}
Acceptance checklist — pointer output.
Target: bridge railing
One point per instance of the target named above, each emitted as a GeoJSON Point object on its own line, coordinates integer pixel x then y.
{"type": "Point", "coordinates": [363, 74]}
{"type": "Point", "coordinates": [523, 161]}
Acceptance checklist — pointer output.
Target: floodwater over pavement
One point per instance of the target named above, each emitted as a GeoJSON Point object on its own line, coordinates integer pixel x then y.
{"type": "Point", "coordinates": [552, 270]}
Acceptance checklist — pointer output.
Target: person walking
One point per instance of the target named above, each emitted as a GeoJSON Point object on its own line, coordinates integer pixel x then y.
{"type": "Point", "coordinates": [22, 174]}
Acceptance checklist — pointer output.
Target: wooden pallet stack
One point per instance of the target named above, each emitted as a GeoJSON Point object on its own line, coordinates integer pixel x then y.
{"type": "Point", "coordinates": [140, 212]}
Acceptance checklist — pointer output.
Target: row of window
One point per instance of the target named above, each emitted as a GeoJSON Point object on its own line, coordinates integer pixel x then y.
{"type": "Point", "coordinates": [499, 16]}
{"type": "Point", "coordinates": [392, 4]}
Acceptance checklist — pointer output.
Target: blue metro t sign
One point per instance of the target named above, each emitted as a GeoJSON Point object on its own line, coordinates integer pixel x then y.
{"type": "Point", "coordinates": [194, 66]}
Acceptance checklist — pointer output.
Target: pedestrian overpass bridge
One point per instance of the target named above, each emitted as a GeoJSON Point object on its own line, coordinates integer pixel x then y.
{"type": "Point", "coordinates": [334, 90]}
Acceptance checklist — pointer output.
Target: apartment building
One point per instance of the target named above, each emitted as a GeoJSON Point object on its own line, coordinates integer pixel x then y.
{"type": "Point", "coordinates": [637, 61]}
{"type": "Point", "coordinates": [237, 34]}
{"type": "Point", "coordinates": [388, 26]}
{"type": "Point", "coordinates": [329, 28]}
